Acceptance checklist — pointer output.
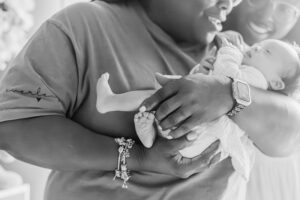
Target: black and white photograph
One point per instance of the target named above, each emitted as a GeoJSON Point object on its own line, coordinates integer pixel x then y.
{"type": "Point", "coordinates": [149, 100]}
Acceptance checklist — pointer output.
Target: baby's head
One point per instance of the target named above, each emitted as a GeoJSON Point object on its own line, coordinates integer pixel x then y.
{"type": "Point", "coordinates": [278, 61]}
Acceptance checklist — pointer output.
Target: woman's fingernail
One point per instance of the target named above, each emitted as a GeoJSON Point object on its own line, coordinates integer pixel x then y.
{"type": "Point", "coordinates": [191, 136]}
{"type": "Point", "coordinates": [169, 137]}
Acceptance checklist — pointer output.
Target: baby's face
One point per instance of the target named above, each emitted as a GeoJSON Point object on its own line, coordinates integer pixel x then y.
{"type": "Point", "coordinates": [274, 58]}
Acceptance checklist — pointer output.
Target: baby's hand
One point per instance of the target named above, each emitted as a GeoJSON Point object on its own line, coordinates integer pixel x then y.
{"type": "Point", "coordinates": [208, 63]}
{"type": "Point", "coordinates": [226, 43]}
{"type": "Point", "coordinates": [205, 66]}
{"type": "Point", "coordinates": [223, 41]}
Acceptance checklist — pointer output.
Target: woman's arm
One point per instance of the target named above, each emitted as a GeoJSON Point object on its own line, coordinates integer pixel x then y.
{"type": "Point", "coordinates": [58, 143]}
{"type": "Point", "coordinates": [271, 121]}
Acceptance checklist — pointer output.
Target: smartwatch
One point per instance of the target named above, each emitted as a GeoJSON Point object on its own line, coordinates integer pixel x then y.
{"type": "Point", "coordinates": [241, 96]}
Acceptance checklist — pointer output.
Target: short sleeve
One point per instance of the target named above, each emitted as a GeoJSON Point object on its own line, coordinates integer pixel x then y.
{"type": "Point", "coordinates": [42, 79]}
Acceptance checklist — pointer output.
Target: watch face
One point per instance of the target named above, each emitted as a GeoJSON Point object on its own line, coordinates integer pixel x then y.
{"type": "Point", "coordinates": [243, 92]}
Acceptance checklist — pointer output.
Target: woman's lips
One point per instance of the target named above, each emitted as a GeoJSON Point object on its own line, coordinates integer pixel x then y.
{"type": "Point", "coordinates": [260, 29]}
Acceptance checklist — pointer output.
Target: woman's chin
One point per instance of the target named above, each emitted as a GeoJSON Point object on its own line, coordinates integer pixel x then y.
{"type": "Point", "coordinates": [207, 38]}
{"type": "Point", "coordinates": [210, 37]}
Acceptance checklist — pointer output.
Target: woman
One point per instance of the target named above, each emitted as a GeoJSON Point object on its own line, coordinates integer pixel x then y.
{"type": "Point", "coordinates": [272, 178]}
{"type": "Point", "coordinates": [48, 99]}
{"type": "Point", "coordinates": [258, 20]}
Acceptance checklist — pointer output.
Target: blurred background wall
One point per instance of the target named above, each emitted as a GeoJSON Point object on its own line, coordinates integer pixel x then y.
{"type": "Point", "coordinates": [43, 10]}
{"type": "Point", "coordinates": [294, 35]}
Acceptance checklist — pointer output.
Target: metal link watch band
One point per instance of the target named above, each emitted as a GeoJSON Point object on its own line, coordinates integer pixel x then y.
{"type": "Point", "coordinates": [241, 96]}
{"type": "Point", "coordinates": [236, 109]}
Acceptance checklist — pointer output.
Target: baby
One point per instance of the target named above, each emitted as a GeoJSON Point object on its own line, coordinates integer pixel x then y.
{"type": "Point", "coordinates": [271, 64]}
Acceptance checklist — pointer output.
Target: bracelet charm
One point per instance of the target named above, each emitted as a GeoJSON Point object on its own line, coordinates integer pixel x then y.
{"type": "Point", "coordinates": [122, 171]}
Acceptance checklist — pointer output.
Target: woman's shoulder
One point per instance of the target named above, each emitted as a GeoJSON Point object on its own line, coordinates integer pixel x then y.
{"type": "Point", "coordinates": [89, 13]}
{"type": "Point", "coordinates": [90, 8]}
{"type": "Point", "coordinates": [82, 11]}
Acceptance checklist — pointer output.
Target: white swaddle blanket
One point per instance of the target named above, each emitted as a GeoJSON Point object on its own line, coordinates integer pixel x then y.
{"type": "Point", "coordinates": [233, 141]}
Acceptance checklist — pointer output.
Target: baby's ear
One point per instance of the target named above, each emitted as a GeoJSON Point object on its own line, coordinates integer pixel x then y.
{"type": "Point", "coordinates": [277, 84]}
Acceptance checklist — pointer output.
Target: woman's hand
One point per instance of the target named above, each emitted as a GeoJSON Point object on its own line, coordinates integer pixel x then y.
{"type": "Point", "coordinates": [164, 158]}
{"type": "Point", "coordinates": [190, 101]}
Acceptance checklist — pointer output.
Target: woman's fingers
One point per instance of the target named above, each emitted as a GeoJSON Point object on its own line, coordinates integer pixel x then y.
{"type": "Point", "coordinates": [179, 116]}
{"type": "Point", "coordinates": [216, 158]}
{"type": "Point", "coordinates": [164, 157]}
{"type": "Point", "coordinates": [201, 162]}
{"type": "Point", "coordinates": [182, 128]}
{"type": "Point", "coordinates": [205, 159]}
{"type": "Point", "coordinates": [166, 108]}
{"type": "Point", "coordinates": [175, 145]}
{"type": "Point", "coordinates": [160, 96]}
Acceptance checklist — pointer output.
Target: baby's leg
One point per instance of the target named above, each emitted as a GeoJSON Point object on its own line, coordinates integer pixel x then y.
{"type": "Point", "coordinates": [108, 101]}
{"type": "Point", "coordinates": [144, 127]}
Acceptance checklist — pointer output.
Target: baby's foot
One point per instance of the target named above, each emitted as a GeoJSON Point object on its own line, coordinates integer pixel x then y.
{"type": "Point", "coordinates": [103, 93]}
{"type": "Point", "coordinates": [143, 122]}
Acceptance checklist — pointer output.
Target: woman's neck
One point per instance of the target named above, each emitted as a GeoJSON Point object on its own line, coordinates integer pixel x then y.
{"type": "Point", "coordinates": [196, 51]}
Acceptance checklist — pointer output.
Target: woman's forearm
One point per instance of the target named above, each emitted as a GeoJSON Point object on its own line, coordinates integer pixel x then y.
{"type": "Point", "coordinates": [58, 143]}
{"type": "Point", "coordinates": [272, 121]}
{"type": "Point", "coordinates": [61, 144]}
